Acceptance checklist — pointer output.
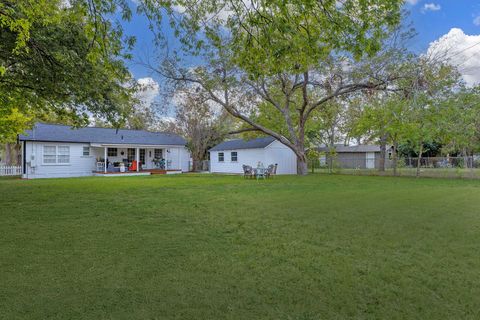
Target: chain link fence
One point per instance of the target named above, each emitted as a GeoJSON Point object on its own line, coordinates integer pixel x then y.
{"type": "Point", "coordinates": [434, 167]}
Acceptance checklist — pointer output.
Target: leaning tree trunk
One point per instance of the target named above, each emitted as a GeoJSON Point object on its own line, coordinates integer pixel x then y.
{"type": "Point", "coordinates": [383, 153]}
{"type": "Point", "coordinates": [419, 160]}
{"type": "Point", "coordinates": [302, 164]}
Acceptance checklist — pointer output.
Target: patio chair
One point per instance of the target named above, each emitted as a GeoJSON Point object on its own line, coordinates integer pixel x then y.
{"type": "Point", "coordinates": [270, 171]}
{"type": "Point", "coordinates": [133, 167]}
{"type": "Point", "coordinates": [247, 171]}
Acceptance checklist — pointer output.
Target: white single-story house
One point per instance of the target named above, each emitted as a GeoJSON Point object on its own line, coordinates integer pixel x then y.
{"type": "Point", "coordinates": [230, 156]}
{"type": "Point", "coordinates": [50, 150]}
{"type": "Point", "coordinates": [355, 157]}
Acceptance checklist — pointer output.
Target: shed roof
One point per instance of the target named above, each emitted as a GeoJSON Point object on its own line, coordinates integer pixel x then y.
{"type": "Point", "coordinates": [354, 149]}
{"type": "Point", "coordinates": [258, 143]}
{"type": "Point", "coordinates": [62, 133]}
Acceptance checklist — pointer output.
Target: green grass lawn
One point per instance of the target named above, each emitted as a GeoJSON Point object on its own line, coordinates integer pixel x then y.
{"type": "Point", "coordinates": [220, 247]}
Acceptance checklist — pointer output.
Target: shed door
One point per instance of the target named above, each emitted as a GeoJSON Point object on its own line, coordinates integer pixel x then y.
{"type": "Point", "coordinates": [370, 160]}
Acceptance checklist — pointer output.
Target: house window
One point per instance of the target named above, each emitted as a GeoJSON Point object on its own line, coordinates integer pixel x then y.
{"type": "Point", "coordinates": [234, 156]}
{"type": "Point", "coordinates": [158, 154]}
{"type": "Point", "coordinates": [63, 154]}
{"type": "Point", "coordinates": [131, 154]}
{"type": "Point", "coordinates": [142, 156]}
{"type": "Point", "coordinates": [221, 157]}
{"type": "Point", "coordinates": [112, 152]}
{"type": "Point", "coordinates": [86, 151]}
{"type": "Point", "coordinates": [49, 154]}
{"type": "Point", "coordinates": [56, 154]}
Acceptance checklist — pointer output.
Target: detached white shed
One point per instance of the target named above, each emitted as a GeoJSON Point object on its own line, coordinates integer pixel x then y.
{"type": "Point", "coordinates": [230, 156]}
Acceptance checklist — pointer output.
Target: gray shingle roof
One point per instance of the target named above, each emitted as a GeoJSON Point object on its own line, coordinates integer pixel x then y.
{"type": "Point", "coordinates": [258, 143]}
{"type": "Point", "coordinates": [61, 133]}
{"type": "Point", "coordinates": [359, 148]}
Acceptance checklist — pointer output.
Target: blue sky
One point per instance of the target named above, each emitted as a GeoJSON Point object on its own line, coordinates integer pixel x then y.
{"type": "Point", "coordinates": [431, 19]}
{"type": "Point", "coordinates": [431, 25]}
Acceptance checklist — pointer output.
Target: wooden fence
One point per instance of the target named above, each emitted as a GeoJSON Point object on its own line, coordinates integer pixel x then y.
{"type": "Point", "coordinates": [10, 170]}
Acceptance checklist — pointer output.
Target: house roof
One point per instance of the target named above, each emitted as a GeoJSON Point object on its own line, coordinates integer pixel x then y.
{"type": "Point", "coordinates": [258, 143]}
{"type": "Point", "coordinates": [347, 149]}
{"type": "Point", "coordinates": [61, 133]}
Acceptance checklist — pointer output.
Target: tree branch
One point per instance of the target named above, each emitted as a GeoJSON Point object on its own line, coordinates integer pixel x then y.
{"type": "Point", "coordinates": [243, 130]}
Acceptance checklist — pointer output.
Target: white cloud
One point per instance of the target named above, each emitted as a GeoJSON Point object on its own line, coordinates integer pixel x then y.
{"type": "Point", "coordinates": [460, 50]}
{"type": "Point", "coordinates": [149, 90]}
{"type": "Point", "coordinates": [431, 7]}
{"type": "Point", "coordinates": [412, 2]}
{"type": "Point", "coordinates": [476, 20]}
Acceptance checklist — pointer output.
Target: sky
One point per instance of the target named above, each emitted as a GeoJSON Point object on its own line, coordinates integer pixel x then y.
{"type": "Point", "coordinates": [449, 28]}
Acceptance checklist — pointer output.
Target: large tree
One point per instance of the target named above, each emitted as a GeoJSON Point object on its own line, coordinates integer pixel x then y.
{"type": "Point", "coordinates": [433, 82]}
{"type": "Point", "coordinates": [384, 119]}
{"type": "Point", "coordinates": [201, 123]}
{"type": "Point", "coordinates": [294, 55]}
{"type": "Point", "coordinates": [62, 57]}
{"type": "Point", "coordinates": [459, 129]}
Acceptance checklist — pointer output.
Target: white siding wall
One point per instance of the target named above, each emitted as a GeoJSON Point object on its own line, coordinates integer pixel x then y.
{"type": "Point", "coordinates": [185, 159]}
{"type": "Point", "coordinates": [179, 157]}
{"type": "Point", "coordinates": [245, 156]}
{"type": "Point", "coordinates": [79, 165]}
{"type": "Point", "coordinates": [282, 155]}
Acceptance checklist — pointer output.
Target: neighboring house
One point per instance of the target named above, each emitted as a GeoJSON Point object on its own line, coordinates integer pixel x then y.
{"type": "Point", "coordinates": [61, 151]}
{"type": "Point", "coordinates": [355, 157]}
{"type": "Point", "coordinates": [230, 156]}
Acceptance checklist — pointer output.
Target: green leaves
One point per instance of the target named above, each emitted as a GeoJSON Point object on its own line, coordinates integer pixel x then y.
{"type": "Point", "coordinates": [267, 37]}
{"type": "Point", "coordinates": [12, 122]}
{"type": "Point", "coordinates": [63, 59]}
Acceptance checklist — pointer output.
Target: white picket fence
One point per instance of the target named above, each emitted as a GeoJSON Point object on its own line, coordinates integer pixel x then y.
{"type": "Point", "coordinates": [10, 170]}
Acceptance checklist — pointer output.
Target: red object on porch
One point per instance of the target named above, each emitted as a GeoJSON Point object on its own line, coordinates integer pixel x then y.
{"type": "Point", "coordinates": [133, 167]}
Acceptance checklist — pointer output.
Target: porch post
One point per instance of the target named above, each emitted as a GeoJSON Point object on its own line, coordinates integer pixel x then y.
{"type": "Point", "coordinates": [105, 159]}
{"type": "Point", "coordinates": [137, 155]}
{"type": "Point", "coordinates": [166, 159]}
{"type": "Point", "coordinates": [180, 158]}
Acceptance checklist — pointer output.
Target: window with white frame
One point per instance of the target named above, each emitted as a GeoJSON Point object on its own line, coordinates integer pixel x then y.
{"type": "Point", "coordinates": [234, 156]}
{"type": "Point", "coordinates": [56, 154]}
{"type": "Point", "coordinates": [86, 151]}
{"type": "Point", "coordinates": [158, 153]}
{"type": "Point", "coordinates": [112, 152]}
{"type": "Point", "coordinates": [221, 157]}
{"type": "Point", "coordinates": [49, 154]}
{"type": "Point", "coordinates": [63, 154]}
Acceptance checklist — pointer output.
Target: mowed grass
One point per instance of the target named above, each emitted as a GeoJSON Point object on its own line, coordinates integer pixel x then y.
{"type": "Point", "coordinates": [221, 247]}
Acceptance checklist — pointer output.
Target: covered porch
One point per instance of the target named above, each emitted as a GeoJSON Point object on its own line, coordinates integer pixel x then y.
{"type": "Point", "coordinates": [115, 159]}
